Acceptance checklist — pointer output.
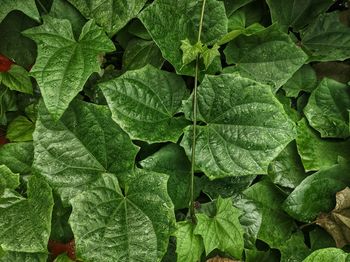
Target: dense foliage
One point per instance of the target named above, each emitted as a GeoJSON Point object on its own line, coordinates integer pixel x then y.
{"type": "Point", "coordinates": [174, 130]}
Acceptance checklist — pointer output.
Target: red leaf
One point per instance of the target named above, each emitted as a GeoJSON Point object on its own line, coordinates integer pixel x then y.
{"type": "Point", "coordinates": [56, 248]}
{"type": "Point", "coordinates": [5, 63]}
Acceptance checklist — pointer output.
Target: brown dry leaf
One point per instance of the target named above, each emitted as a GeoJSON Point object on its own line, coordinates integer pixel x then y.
{"type": "Point", "coordinates": [337, 222]}
{"type": "Point", "coordinates": [221, 259]}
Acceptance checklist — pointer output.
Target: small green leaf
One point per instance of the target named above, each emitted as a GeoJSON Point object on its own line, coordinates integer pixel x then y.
{"type": "Point", "coordinates": [328, 254]}
{"type": "Point", "coordinates": [294, 249]}
{"type": "Point", "coordinates": [327, 109]}
{"type": "Point", "coordinates": [111, 15]}
{"type": "Point", "coordinates": [20, 130]}
{"type": "Point", "coordinates": [246, 127]}
{"type": "Point", "coordinates": [80, 147]}
{"type": "Point", "coordinates": [17, 79]}
{"type": "Point", "coordinates": [190, 52]}
{"type": "Point", "coordinates": [180, 20]}
{"type": "Point", "coordinates": [144, 103]}
{"type": "Point", "coordinates": [189, 247]}
{"type": "Point", "coordinates": [303, 80]}
{"type": "Point", "coordinates": [8, 179]}
{"type": "Point", "coordinates": [64, 64]}
{"type": "Point", "coordinates": [18, 157]}
{"type": "Point", "coordinates": [135, 227]}
{"type": "Point", "coordinates": [316, 193]}
{"type": "Point", "coordinates": [317, 153]}
{"type": "Point", "coordinates": [209, 54]}
{"type": "Point", "coordinates": [26, 6]}
{"type": "Point", "coordinates": [63, 258]}
{"type": "Point", "coordinates": [268, 56]}
{"type": "Point", "coordinates": [223, 231]}
{"type": "Point", "coordinates": [327, 39]}
{"type": "Point", "coordinates": [276, 227]}
{"type": "Point", "coordinates": [34, 213]}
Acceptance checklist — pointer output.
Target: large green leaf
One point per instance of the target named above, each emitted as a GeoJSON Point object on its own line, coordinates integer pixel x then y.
{"type": "Point", "coordinates": [189, 247]}
{"type": "Point", "coordinates": [268, 56]}
{"type": "Point", "coordinates": [26, 6]}
{"type": "Point", "coordinates": [18, 157]}
{"type": "Point", "coordinates": [316, 193]}
{"type": "Point", "coordinates": [232, 6]}
{"type": "Point", "coordinates": [112, 15]}
{"type": "Point", "coordinates": [246, 127]}
{"type": "Point", "coordinates": [64, 64]}
{"type": "Point", "coordinates": [328, 254]}
{"type": "Point", "coordinates": [223, 231]}
{"type": "Point", "coordinates": [13, 44]}
{"type": "Point", "coordinates": [317, 153]}
{"type": "Point", "coordinates": [17, 79]}
{"type": "Point", "coordinates": [180, 20]}
{"type": "Point", "coordinates": [8, 179]}
{"type": "Point", "coordinates": [303, 80]}
{"type": "Point", "coordinates": [131, 227]}
{"type": "Point", "coordinates": [276, 226]}
{"type": "Point", "coordinates": [25, 223]}
{"type": "Point", "coordinates": [327, 109]}
{"type": "Point", "coordinates": [297, 13]}
{"type": "Point", "coordinates": [144, 103]}
{"type": "Point", "coordinates": [72, 153]}
{"type": "Point", "coordinates": [286, 169]}
{"type": "Point", "coordinates": [172, 160]}
{"type": "Point", "coordinates": [327, 39]}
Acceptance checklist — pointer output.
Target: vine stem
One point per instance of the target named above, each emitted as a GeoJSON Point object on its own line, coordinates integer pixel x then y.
{"type": "Point", "coordinates": [194, 127]}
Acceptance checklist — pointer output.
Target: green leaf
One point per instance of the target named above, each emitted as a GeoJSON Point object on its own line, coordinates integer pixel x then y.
{"type": "Point", "coordinates": [223, 231]}
{"type": "Point", "coordinates": [28, 7]}
{"type": "Point", "coordinates": [63, 258]}
{"type": "Point", "coordinates": [246, 127]}
{"type": "Point", "coordinates": [303, 80]}
{"type": "Point", "coordinates": [190, 52]}
{"type": "Point", "coordinates": [80, 147]}
{"type": "Point", "coordinates": [17, 79]}
{"type": "Point", "coordinates": [276, 226]}
{"type": "Point", "coordinates": [141, 52]}
{"type": "Point", "coordinates": [327, 109]}
{"type": "Point", "coordinates": [18, 157]}
{"type": "Point", "coordinates": [7, 103]}
{"type": "Point", "coordinates": [316, 193]}
{"type": "Point", "coordinates": [24, 257]}
{"type": "Point", "coordinates": [268, 56]}
{"type": "Point", "coordinates": [328, 254]}
{"type": "Point", "coordinates": [209, 54]}
{"type": "Point", "coordinates": [294, 249]}
{"type": "Point", "coordinates": [13, 44]}
{"type": "Point", "coordinates": [317, 153]}
{"type": "Point", "coordinates": [327, 39]}
{"type": "Point", "coordinates": [64, 64]}
{"type": "Point", "coordinates": [25, 222]}
{"type": "Point", "coordinates": [180, 19]}
{"type": "Point", "coordinates": [60, 229]}
{"type": "Point", "coordinates": [8, 179]}
{"type": "Point", "coordinates": [232, 6]}
{"type": "Point", "coordinates": [297, 13]}
{"type": "Point", "coordinates": [111, 15]}
{"type": "Point", "coordinates": [20, 130]}
{"type": "Point", "coordinates": [134, 227]}
{"type": "Point", "coordinates": [172, 160]}
{"type": "Point", "coordinates": [144, 103]}
{"type": "Point", "coordinates": [189, 247]}
{"type": "Point", "coordinates": [286, 169]}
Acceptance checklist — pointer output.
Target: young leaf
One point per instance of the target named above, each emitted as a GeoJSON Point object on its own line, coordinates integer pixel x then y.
{"type": "Point", "coordinates": [189, 247]}
{"type": "Point", "coordinates": [181, 19]}
{"type": "Point", "coordinates": [209, 54]}
{"type": "Point", "coordinates": [8, 179]}
{"type": "Point", "coordinates": [34, 215]}
{"type": "Point", "coordinates": [223, 231]}
{"type": "Point", "coordinates": [64, 64]}
{"type": "Point", "coordinates": [327, 109]}
{"type": "Point", "coordinates": [276, 227]}
{"type": "Point", "coordinates": [297, 13]}
{"type": "Point", "coordinates": [327, 39]}
{"type": "Point", "coordinates": [18, 157]}
{"type": "Point", "coordinates": [317, 153]}
{"type": "Point", "coordinates": [268, 56]}
{"type": "Point", "coordinates": [112, 15]}
{"type": "Point", "coordinates": [20, 130]}
{"type": "Point", "coordinates": [134, 227]}
{"type": "Point", "coordinates": [328, 254]}
{"type": "Point", "coordinates": [80, 147]}
{"type": "Point", "coordinates": [26, 6]}
{"type": "Point", "coordinates": [17, 79]}
{"type": "Point", "coordinates": [316, 193]}
{"type": "Point", "coordinates": [246, 127]}
{"type": "Point", "coordinates": [190, 52]}
{"type": "Point", "coordinates": [144, 101]}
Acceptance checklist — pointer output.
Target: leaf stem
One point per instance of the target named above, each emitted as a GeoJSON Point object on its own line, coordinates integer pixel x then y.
{"type": "Point", "coordinates": [194, 128]}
